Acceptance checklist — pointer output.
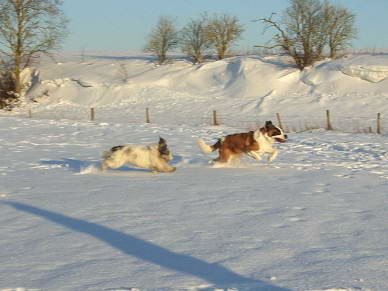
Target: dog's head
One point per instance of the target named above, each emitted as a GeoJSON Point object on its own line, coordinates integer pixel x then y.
{"type": "Point", "coordinates": [274, 132]}
{"type": "Point", "coordinates": [164, 152]}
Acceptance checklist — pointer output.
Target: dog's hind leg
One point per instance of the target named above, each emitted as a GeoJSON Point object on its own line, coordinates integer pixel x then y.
{"type": "Point", "coordinates": [103, 166]}
{"type": "Point", "coordinates": [235, 159]}
{"type": "Point", "coordinates": [111, 163]}
{"type": "Point", "coordinates": [225, 156]}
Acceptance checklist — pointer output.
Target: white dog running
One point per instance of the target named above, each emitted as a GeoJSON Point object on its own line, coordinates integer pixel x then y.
{"type": "Point", "coordinates": [153, 157]}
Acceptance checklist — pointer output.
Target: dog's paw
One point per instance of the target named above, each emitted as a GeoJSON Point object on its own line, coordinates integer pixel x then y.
{"type": "Point", "coordinates": [270, 159]}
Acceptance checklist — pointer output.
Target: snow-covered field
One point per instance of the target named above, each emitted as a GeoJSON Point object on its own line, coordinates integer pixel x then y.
{"type": "Point", "coordinates": [313, 219]}
{"type": "Point", "coordinates": [316, 218]}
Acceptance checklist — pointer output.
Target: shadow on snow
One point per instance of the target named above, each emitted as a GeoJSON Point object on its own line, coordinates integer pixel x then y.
{"type": "Point", "coordinates": [77, 165]}
{"type": "Point", "coordinates": [130, 245]}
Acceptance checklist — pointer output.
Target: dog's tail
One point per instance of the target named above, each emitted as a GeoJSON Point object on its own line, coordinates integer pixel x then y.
{"type": "Point", "coordinates": [208, 148]}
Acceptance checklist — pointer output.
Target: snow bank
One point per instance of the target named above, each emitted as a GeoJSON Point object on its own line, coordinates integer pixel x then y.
{"type": "Point", "coordinates": [124, 85]}
{"type": "Point", "coordinates": [371, 68]}
{"type": "Point", "coordinates": [372, 74]}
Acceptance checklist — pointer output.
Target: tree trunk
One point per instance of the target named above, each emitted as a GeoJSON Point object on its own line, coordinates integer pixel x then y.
{"type": "Point", "coordinates": [221, 54]}
{"type": "Point", "coordinates": [18, 48]}
{"type": "Point", "coordinates": [333, 53]}
{"type": "Point", "coordinates": [17, 75]}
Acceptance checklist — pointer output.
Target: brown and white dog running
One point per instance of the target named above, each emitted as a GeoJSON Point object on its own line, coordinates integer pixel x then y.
{"type": "Point", "coordinates": [153, 157]}
{"type": "Point", "coordinates": [252, 143]}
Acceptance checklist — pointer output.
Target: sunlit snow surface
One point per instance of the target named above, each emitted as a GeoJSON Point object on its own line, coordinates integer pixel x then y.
{"type": "Point", "coordinates": [314, 219]}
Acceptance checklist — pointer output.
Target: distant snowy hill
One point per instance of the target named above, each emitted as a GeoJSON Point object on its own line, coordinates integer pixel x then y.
{"type": "Point", "coordinates": [122, 85]}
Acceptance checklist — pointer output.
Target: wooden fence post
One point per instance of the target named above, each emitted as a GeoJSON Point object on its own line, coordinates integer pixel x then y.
{"type": "Point", "coordinates": [378, 130]}
{"type": "Point", "coordinates": [279, 121]}
{"type": "Point", "coordinates": [215, 122]}
{"type": "Point", "coordinates": [92, 114]}
{"type": "Point", "coordinates": [328, 122]}
{"type": "Point", "coordinates": [29, 114]}
{"type": "Point", "coordinates": [148, 115]}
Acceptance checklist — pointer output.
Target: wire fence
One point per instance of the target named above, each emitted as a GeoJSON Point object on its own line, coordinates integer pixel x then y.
{"type": "Point", "coordinates": [293, 124]}
{"type": "Point", "coordinates": [290, 123]}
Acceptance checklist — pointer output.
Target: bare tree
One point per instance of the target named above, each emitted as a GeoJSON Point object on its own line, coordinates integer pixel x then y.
{"type": "Point", "coordinates": [194, 40]}
{"type": "Point", "coordinates": [306, 28]}
{"type": "Point", "coordinates": [223, 31]}
{"type": "Point", "coordinates": [29, 28]}
{"type": "Point", "coordinates": [305, 22]}
{"type": "Point", "coordinates": [7, 90]}
{"type": "Point", "coordinates": [340, 28]}
{"type": "Point", "coordinates": [163, 38]}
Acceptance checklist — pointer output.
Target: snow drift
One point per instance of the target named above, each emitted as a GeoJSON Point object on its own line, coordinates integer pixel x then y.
{"type": "Point", "coordinates": [250, 85]}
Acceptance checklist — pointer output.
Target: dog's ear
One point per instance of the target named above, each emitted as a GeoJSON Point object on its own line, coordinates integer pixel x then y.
{"type": "Point", "coordinates": [162, 147]}
{"type": "Point", "coordinates": [268, 124]}
{"type": "Point", "coordinates": [162, 141]}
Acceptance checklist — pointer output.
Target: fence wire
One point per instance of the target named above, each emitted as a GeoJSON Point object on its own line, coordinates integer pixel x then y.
{"type": "Point", "coordinates": [294, 124]}
{"type": "Point", "coordinates": [290, 123]}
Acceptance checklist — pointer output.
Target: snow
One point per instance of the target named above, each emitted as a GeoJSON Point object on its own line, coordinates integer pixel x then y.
{"type": "Point", "coordinates": [313, 219]}
{"type": "Point", "coordinates": [121, 86]}
{"type": "Point", "coordinates": [369, 69]}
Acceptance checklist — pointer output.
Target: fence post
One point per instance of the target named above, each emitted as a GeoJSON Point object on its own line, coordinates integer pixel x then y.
{"type": "Point", "coordinates": [92, 114]}
{"type": "Point", "coordinates": [29, 114]}
{"type": "Point", "coordinates": [148, 115]}
{"type": "Point", "coordinates": [328, 122]}
{"type": "Point", "coordinates": [378, 130]}
{"type": "Point", "coordinates": [215, 122]}
{"type": "Point", "coordinates": [279, 121]}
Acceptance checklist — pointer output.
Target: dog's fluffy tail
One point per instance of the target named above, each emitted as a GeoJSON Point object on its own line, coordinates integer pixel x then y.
{"type": "Point", "coordinates": [205, 147]}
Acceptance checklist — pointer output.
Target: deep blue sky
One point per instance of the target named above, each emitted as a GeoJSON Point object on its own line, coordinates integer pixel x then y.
{"type": "Point", "coordinates": [125, 24]}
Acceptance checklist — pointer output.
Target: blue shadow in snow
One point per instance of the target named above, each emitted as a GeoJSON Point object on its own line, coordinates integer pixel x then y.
{"type": "Point", "coordinates": [78, 165]}
{"type": "Point", "coordinates": [71, 164]}
{"type": "Point", "coordinates": [176, 160]}
{"type": "Point", "coordinates": [130, 245]}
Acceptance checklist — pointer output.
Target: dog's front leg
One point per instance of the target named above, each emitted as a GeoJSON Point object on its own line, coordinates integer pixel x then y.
{"type": "Point", "coordinates": [171, 169]}
{"type": "Point", "coordinates": [167, 169]}
{"type": "Point", "coordinates": [164, 167]}
{"type": "Point", "coordinates": [274, 154]}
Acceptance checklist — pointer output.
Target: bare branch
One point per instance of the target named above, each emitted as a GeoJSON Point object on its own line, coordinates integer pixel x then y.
{"type": "Point", "coordinates": [223, 31]}
{"type": "Point", "coordinates": [194, 40]}
{"type": "Point", "coordinates": [307, 27]}
{"type": "Point", "coordinates": [163, 38]}
{"type": "Point", "coordinates": [29, 28]}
